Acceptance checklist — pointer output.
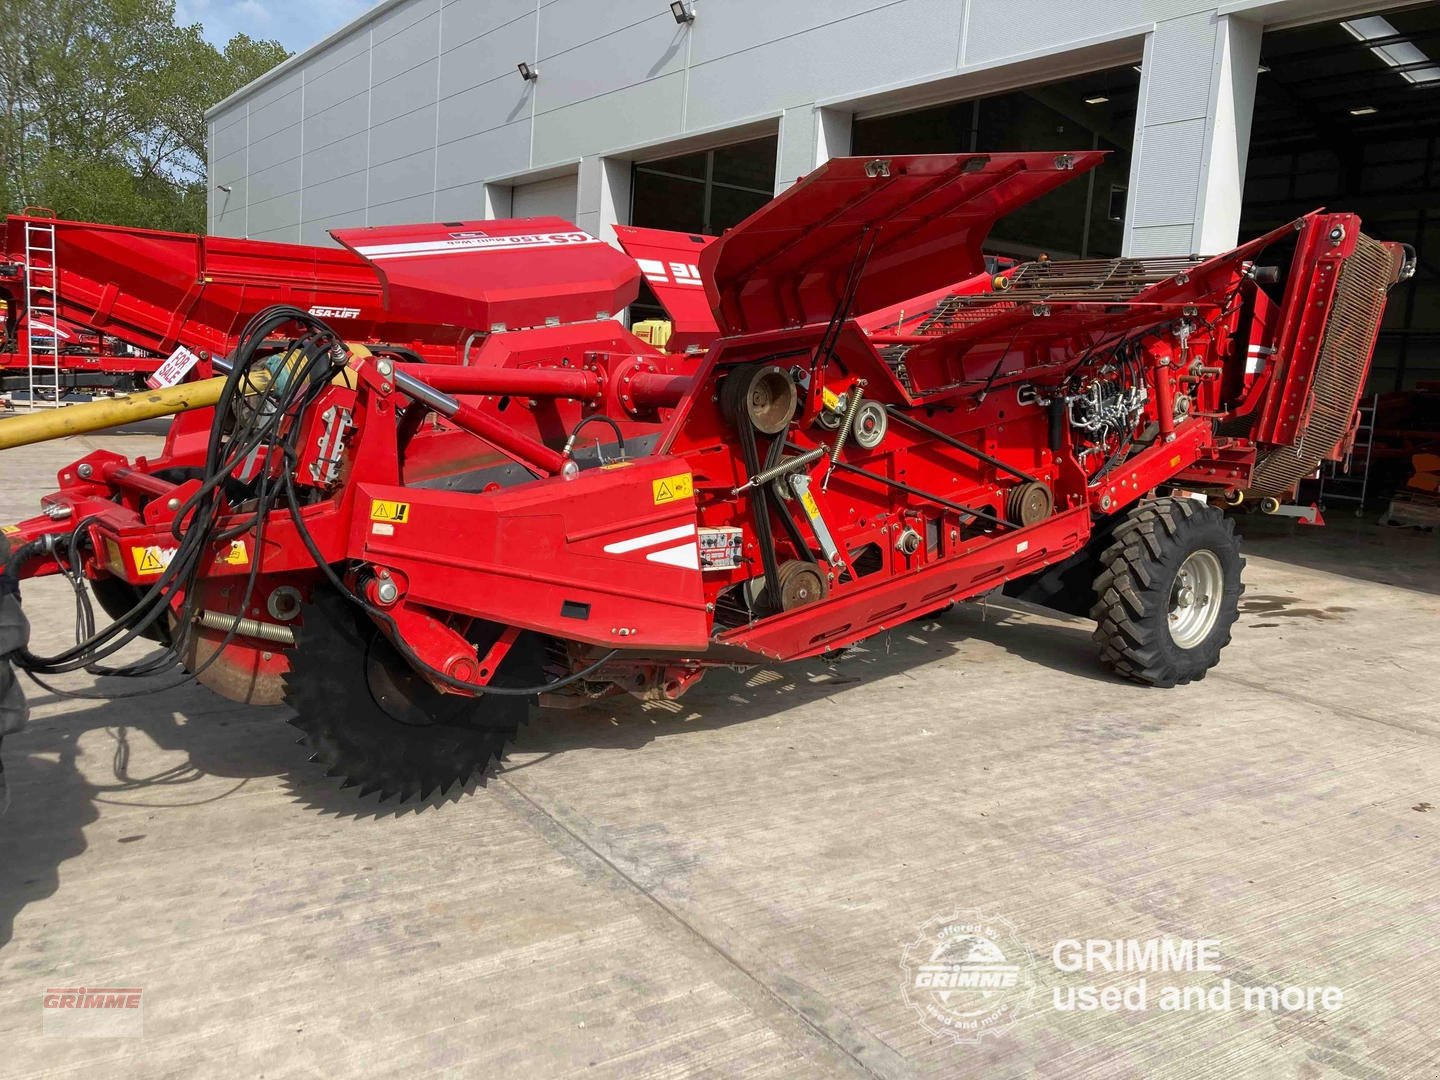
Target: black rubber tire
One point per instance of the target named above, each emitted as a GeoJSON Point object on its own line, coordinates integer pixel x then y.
{"type": "Point", "coordinates": [1138, 571]}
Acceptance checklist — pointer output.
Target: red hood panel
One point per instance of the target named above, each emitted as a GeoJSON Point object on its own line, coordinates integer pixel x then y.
{"type": "Point", "coordinates": [670, 262]}
{"type": "Point", "coordinates": [923, 218]}
{"type": "Point", "coordinates": [481, 274]}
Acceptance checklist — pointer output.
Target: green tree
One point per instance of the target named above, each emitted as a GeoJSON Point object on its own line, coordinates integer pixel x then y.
{"type": "Point", "coordinates": [102, 107]}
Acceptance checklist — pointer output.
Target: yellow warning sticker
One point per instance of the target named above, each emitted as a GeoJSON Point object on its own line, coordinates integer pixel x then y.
{"type": "Point", "coordinates": [152, 559]}
{"type": "Point", "coordinates": [9, 530]}
{"type": "Point", "coordinates": [671, 488]}
{"type": "Point", "coordinates": [385, 510]}
{"type": "Point", "coordinates": [237, 555]}
{"type": "Point", "coordinates": [113, 559]}
{"type": "Point", "coordinates": [810, 506]}
{"type": "Point", "coordinates": [1175, 461]}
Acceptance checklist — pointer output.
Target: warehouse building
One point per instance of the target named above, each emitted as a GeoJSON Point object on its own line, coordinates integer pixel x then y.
{"type": "Point", "coordinates": [1221, 119]}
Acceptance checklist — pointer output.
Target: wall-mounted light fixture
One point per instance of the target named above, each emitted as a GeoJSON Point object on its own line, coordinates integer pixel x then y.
{"type": "Point", "coordinates": [527, 73]}
{"type": "Point", "coordinates": [223, 187]}
{"type": "Point", "coordinates": [682, 13]}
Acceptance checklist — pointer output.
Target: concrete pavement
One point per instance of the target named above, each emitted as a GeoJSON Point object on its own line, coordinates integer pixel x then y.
{"type": "Point", "coordinates": [725, 885]}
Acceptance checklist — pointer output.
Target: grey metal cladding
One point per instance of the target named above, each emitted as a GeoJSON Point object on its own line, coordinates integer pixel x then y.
{"type": "Point", "coordinates": [404, 93]}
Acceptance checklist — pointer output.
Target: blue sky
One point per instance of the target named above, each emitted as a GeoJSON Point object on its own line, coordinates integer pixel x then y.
{"type": "Point", "coordinates": [296, 24]}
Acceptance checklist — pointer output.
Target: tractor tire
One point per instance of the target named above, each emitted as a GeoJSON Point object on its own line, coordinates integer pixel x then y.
{"type": "Point", "coordinates": [1168, 592]}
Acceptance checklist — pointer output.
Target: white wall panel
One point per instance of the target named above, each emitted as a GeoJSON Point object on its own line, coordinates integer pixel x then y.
{"type": "Point", "coordinates": [500, 152]}
{"type": "Point", "coordinates": [340, 122]}
{"type": "Point", "coordinates": [468, 19]}
{"type": "Point", "coordinates": [596, 125]}
{"type": "Point", "coordinates": [337, 159]}
{"type": "Point", "coordinates": [621, 74]}
{"type": "Point", "coordinates": [340, 83]}
{"type": "Point", "coordinates": [403, 136]}
{"type": "Point", "coordinates": [403, 178]}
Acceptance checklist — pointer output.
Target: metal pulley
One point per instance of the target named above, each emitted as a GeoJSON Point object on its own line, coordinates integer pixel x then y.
{"type": "Point", "coordinates": [1029, 503]}
{"type": "Point", "coordinates": [762, 394]}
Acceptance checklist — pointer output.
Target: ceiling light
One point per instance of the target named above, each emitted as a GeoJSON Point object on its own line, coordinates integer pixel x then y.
{"type": "Point", "coordinates": [682, 14]}
{"type": "Point", "coordinates": [1405, 56]}
{"type": "Point", "coordinates": [527, 73]}
{"type": "Point", "coordinates": [1364, 110]}
{"type": "Point", "coordinates": [1098, 99]}
{"type": "Point", "coordinates": [1261, 70]}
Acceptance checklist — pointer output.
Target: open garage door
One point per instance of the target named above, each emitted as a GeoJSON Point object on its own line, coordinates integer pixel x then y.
{"type": "Point", "coordinates": [1089, 112]}
{"type": "Point", "coordinates": [1347, 116]}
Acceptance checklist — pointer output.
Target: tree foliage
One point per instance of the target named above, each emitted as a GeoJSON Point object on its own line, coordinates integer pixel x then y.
{"type": "Point", "coordinates": [102, 107]}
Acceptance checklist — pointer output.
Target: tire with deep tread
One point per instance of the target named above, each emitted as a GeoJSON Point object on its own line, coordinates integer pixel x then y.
{"type": "Point", "coordinates": [1138, 570]}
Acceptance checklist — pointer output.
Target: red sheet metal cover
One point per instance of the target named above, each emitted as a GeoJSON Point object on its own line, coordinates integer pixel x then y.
{"type": "Point", "coordinates": [157, 289]}
{"type": "Point", "coordinates": [484, 274]}
{"type": "Point", "coordinates": [922, 217]}
{"type": "Point", "coordinates": [670, 262]}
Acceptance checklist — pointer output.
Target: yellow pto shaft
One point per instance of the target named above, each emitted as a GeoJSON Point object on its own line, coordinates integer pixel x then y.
{"type": "Point", "coordinates": [98, 415]}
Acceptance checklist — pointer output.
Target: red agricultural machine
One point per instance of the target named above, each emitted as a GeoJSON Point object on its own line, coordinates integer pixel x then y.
{"type": "Point", "coordinates": [105, 304]}
{"type": "Point", "coordinates": [412, 554]}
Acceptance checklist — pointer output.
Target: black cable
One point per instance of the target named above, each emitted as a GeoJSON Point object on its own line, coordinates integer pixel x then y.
{"type": "Point", "coordinates": [597, 418]}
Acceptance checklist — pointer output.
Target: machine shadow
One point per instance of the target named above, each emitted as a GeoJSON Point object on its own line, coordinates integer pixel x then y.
{"type": "Point", "coordinates": [55, 784]}
{"type": "Point", "coordinates": [727, 697]}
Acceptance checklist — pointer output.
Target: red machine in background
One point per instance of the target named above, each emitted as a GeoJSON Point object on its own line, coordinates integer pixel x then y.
{"type": "Point", "coordinates": [125, 298]}
{"type": "Point", "coordinates": [411, 554]}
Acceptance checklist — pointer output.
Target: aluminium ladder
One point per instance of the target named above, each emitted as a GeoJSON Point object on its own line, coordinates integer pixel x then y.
{"type": "Point", "coordinates": [1348, 481]}
{"type": "Point", "coordinates": [42, 301]}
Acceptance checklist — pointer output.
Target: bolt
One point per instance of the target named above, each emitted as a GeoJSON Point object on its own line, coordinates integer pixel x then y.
{"type": "Point", "coordinates": [172, 503]}
{"type": "Point", "coordinates": [1105, 502]}
{"type": "Point", "coordinates": [86, 471]}
{"type": "Point", "coordinates": [386, 368]}
{"type": "Point", "coordinates": [386, 591]}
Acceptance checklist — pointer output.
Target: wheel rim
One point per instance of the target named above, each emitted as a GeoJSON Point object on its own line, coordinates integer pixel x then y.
{"type": "Point", "coordinates": [1195, 599]}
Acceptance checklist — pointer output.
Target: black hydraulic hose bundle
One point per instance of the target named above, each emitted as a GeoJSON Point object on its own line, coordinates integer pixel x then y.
{"type": "Point", "coordinates": [306, 367]}
{"type": "Point", "coordinates": [253, 417]}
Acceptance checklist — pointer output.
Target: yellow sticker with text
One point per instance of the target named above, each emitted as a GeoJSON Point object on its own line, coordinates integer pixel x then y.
{"type": "Point", "coordinates": [811, 507]}
{"type": "Point", "coordinates": [672, 488]}
{"type": "Point", "coordinates": [9, 530]}
{"type": "Point", "coordinates": [385, 510]}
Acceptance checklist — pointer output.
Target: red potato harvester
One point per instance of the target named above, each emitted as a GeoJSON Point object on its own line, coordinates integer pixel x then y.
{"type": "Point", "coordinates": [412, 554]}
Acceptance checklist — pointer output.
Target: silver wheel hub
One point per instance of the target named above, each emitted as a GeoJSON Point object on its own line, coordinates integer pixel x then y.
{"type": "Point", "coordinates": [1195, 598]}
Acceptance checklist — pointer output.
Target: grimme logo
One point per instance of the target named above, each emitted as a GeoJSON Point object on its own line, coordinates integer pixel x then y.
{"type": "Point", "coordinates": [968, 975]}
{"type": "Point", "coordinates": [92, 1011]}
